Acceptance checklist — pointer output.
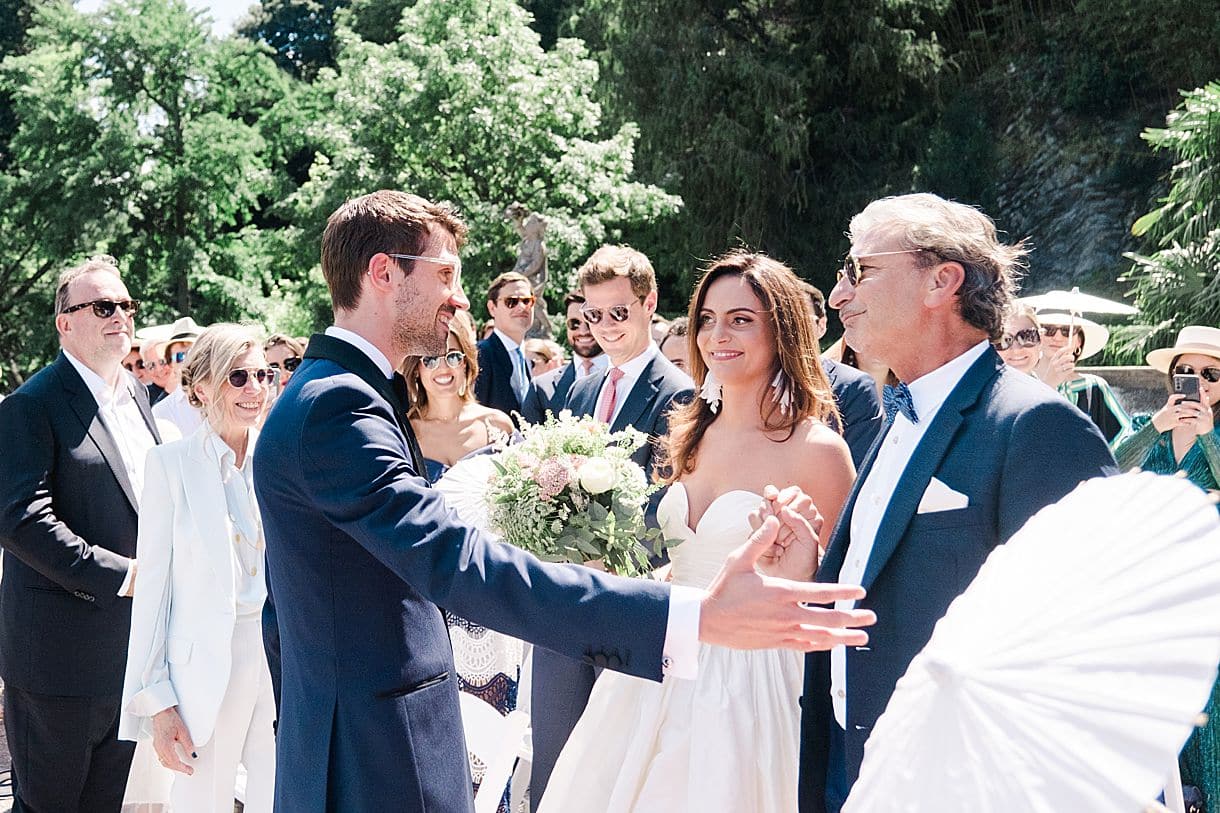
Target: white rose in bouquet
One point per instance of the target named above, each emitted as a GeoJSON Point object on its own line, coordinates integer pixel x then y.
{"type": "Point", "coordinates": [597, 475]}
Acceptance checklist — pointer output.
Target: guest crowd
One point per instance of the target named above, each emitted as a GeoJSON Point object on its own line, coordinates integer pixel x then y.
{"type": "Point", "coordinates": [132, 620]}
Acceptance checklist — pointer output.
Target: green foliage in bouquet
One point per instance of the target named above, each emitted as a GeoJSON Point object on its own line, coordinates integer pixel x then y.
{"type": "Point", "coordinates": [571, 493]}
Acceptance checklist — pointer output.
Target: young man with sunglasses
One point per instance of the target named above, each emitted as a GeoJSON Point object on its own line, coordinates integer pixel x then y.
{"type": "Point", "coordinates": [73, 442]}
{"type": "Point", "coordinates": [504, 381]}
{"type": "Point", "coordinates": [620, 291]}
{"type": "Point", "coordinates": [1069, 339]}
{"type": "Point", "coordinates": [969, 451]}
{"type": "Point", "coordinates": [175, 407]}
{"type": "Point", "coordinates": [551, 389]}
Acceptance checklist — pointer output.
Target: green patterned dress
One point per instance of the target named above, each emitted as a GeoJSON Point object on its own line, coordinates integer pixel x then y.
{"type": "Point", "coordinates": [1153, 451]}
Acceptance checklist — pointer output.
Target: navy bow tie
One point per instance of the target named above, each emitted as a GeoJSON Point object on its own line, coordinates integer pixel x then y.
{"type": "Point", "coordinates": [897, 398]}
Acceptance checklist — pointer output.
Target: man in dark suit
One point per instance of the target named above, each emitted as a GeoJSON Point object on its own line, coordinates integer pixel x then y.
{"type": "Point", "coordinates": [550, 390]}
{"type": "Point", "coordinates": [361, 551]}
{"type": "Point", "coordinates": [620, 290]}
{"type": "Point", "coordinates": [855, 391]}
{"type": "Point", "coordinates": [971, 451]}
{"type": "Point", "coordinates": [504, 381]}
{"type": "Point", "coordinates": [72, 445]}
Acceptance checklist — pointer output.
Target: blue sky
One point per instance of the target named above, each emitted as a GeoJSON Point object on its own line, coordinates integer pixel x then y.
{"type": "Point", "coordinates": [224, 13]}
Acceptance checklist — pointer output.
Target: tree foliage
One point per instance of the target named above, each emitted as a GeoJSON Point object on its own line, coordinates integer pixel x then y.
{"type": "Point", "coordinates": [300, 32]}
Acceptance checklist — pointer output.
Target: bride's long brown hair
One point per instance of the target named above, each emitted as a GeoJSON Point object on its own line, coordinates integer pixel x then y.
{"type": "Point", "coordinates": [791, 314]}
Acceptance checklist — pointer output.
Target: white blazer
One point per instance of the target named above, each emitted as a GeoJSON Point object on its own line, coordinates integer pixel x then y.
{"type": "Point", "coordinates": [184, 608]}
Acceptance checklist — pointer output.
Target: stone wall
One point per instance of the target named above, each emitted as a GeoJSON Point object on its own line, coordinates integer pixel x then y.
{"type": "Point", "coordinates": [1141, 390]}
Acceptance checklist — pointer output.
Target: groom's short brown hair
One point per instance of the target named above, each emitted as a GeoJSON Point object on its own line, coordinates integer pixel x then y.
{"type": "Point", "coordinates": [385, 221]}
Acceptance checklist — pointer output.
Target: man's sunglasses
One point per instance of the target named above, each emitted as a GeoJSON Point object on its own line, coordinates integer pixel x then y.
{"type": "Point", "coordinates": [576, 324]}
{"type": "Point", "coordinates": [453, 359]}
{"type": "Point", "coordinates": [851, 264]}
{"type": "Point", "coordinates": [178, 357]}
{"type": "Point", "coordinates": [1209, 374]}
{"type": "Point", "coordinates": [240, 377]}
{"type": "Point", "coordinates": [618, 313]}
{"type": "Point", "coordinates": [511, 302]}
{"type": "Point", "coordinates": [1026, 338]}
{"type": "Point", "coordinates": [131, 368]}
{"type": "Point", "coordinates": [290, 364]}
{"type": "Point", "coordinates": [105, 308]}
{"type": "Point", "coordinates": [1062, 330]}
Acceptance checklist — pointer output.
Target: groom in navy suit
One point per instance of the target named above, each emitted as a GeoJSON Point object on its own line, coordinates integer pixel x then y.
{"type": "Point", "coordinates": [360, 551]}
{"type": "Point", "coordinates": [971, 450]}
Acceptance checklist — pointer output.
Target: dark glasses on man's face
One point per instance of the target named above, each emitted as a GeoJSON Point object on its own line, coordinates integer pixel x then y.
{"type": "Point", "coordinates": [240, 377]}
{"type": "Point", "coordinates": [851, 270]}
{"type": "Point", "coordinates": [1209, 374]}
{"type": "Point", "coordinates": [1063, 330]}
{"type": "Point", "coordinates": [618, 313]}
{"type": "Point", "coordinates": [290, 364]}
{"type": "Point", "coordinates": [105, 308]}
{"type": "Point", "coordinates": [575, 324]}
{"type": "Point", "coordinates": [135, 365]}
{"type": "Point", "coordinates": [453, 359]}
{"type": "Point", "coordinates": [1025, 338]}
{"type": "Point", "coordinates": [511, 302]}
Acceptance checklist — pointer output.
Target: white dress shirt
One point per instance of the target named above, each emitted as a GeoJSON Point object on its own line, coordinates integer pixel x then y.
{"type": "Point", "coordinates": [632, 370]}
{"type": "Point", "coordinates": [178, 411]}
{"type": "Point", "coordinates": [121, 416]}
{"type": "Point", "coordinates": [680, 652]}
{"type": "Point", "coordinates": [928, 393]}
{"type": "Point", "coordinates": [247, 547]}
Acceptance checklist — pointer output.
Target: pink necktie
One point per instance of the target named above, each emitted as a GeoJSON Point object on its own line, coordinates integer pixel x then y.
{"type": "Point", "coordinates": [609, 395]}
{"type": "Point", "coordinates": [588, 366]}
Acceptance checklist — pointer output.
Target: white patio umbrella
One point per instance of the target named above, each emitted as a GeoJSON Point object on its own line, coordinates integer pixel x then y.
{"type": "Point", "coordinates": [1070, 673]}
{"type": "Point", "coordinates": [1074, 301]}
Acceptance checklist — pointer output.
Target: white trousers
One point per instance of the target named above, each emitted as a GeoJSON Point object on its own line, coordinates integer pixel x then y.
{"type": "Point", "coordinates": [243, 735]}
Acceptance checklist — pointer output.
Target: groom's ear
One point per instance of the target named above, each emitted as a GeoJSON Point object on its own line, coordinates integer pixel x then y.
{"type": "Point", "coordinates": [379, 274]}
{"type": "Point", "coordinates": [944, 280]}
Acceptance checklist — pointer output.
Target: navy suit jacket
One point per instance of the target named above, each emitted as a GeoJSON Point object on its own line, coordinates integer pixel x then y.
{"type": "Point", "coordinates": [859, 407]}
{"type": "Point", "coordinates": [360, 553]}
{"type": "Point", "coordinates": [68, 527]}
{"type": "Point", "coordinates": [1012, 445]}
{"type": "Point", "coordinates": [549, 392]}
{"type": "Point", "coordinates": [494, 387]}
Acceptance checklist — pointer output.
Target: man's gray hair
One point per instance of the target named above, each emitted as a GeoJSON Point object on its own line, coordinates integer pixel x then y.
{"type": "Point", "coordinates": [954, 232]}
{"type": "Point", "coordinates": [98, 262]}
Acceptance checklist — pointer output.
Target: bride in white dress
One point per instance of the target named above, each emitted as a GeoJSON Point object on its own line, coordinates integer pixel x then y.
{"type": "Point", "coordinates": [728, 740]}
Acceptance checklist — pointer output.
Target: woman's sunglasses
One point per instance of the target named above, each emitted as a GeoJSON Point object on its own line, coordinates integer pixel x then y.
{"type": "Point", "coordinates": [1209, 374]}
{"type": "Point", "coordinates": [105, 308]}
{"type": "Point", "coordinates": [290, 364]}
{"type": "Point", "coordinates": [240, 377]}
{"type": "Point", "coordinates": [1062, 330]}
{"type": "Point", "coordinates": [1025, 338]}
{"type": "Point", "coordinates": [453, 359]}
{"type": "Point", "coordinates": [618, 313]}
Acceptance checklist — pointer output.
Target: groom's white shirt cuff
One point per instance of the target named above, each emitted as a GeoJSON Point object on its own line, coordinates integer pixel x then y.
{"type": "Point", "coordinates": [680, 654]}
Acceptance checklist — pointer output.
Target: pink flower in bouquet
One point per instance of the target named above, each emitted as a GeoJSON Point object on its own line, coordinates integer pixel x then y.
{"type": "Point", "coordinates": [553, 476]}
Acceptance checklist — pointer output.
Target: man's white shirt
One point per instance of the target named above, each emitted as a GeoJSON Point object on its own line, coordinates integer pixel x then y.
{"type": "Point", "coordinates": [928, 394]}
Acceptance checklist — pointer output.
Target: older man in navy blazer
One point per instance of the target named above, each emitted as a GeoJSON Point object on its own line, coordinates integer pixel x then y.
{"type": "Point", "coordinates": [360, 551]}
{"type": "Point", "coordinates": [970, 451]}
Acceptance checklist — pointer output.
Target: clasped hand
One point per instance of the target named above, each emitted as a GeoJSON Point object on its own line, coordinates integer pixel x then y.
{"type": "Point", "coordinates": [761, 597]}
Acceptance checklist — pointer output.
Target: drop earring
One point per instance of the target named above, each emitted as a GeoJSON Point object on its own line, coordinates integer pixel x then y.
{"type": "Point", "coordinates": [710, 391]}
{"type": "Point", "coordinates": [782, 392]}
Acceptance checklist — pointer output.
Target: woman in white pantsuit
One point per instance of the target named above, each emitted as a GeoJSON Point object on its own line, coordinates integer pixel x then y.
{"type": "Point", "coordinates": [197, 680]}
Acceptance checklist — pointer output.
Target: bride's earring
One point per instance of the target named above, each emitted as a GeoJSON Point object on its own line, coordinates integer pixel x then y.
{"type": "Point", "coordinates": [710, 391]}
{"type": "Point", "coordinates": [782, 392]}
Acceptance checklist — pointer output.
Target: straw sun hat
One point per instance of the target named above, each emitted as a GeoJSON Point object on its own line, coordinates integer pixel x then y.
{"type": "Point", "coordinates": [1192, 339]}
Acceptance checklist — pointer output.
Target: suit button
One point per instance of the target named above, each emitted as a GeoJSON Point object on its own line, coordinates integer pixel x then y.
{"type": "Point", "coordinates": [841, 694]}
{"type": "Point", "coordinates": [667, 663]}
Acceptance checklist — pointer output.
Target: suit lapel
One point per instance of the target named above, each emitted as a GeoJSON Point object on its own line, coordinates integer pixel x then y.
{"type": "Point", "coordinates": [584, 395]}
{"type": "Point", "coordinates": [352, 359]}
{"type": "Point", "coordinates": [205, 495]}
{"type": "Point", "coordinates": [641, 397]}
{"type": "Point", "coordinates": [564, 385]}
{"type": "Point", "coordinates": [82, 402]}
{"type": "Point", "coordinates": [925, 461]}
{"type": "Point", "coordinates": [141, 399]}
{"type": "Point", "coordinates": [840, 538]}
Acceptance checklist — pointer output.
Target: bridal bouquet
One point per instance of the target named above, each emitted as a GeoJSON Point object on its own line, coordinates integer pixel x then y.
{"type": "Point", "coordinates": [570, 493]}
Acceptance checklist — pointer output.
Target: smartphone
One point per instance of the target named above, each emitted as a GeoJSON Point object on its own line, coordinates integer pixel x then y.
{"type": "Point", "coordinates": [1187, 386]}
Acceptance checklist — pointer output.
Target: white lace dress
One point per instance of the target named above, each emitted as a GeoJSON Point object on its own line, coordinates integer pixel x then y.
{"type": "Point", "coordinates": [726, 741]}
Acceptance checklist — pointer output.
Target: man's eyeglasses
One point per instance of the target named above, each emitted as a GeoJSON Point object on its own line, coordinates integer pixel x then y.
{"type": "Point", "coordinates": [455, 264]}
{"type": "Point", "coordinates": [851, 264]}
{"type": "Point", "coordinates": [105, 308]}
{"type": "Point", "coordinates": [290, 364]}
{"type": "Point", "coordinates": [240, 377]}
{"type": "Point", "coordinates": [511, 302]}
{"type": "Point", "coordinates": [1025, 338]}
{"type": "Point", "coordinates": [453, 359]}
{"type": "Point", "coordinates": [618, 313]}
{"type": "Point", "coordinates": [1063, 330]}
{"type": "Point", "coordinates": [1209, 374]}
{"type": "Point", "coordinates": [135, 365]}
{"type": "Point", "coordinates": [575, 324]}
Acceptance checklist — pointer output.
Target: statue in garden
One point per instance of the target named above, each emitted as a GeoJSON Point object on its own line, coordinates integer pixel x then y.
{"type": "Point", "coordinates": [531, 261]}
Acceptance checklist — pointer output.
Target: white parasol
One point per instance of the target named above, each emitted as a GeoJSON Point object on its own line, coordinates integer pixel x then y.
{"type": "Point", "coordinates": [1070, 673]}
{"type": "Point", "coordinates": [465, 488]}
{"type": "Point", "coordinates": [1074, 301]}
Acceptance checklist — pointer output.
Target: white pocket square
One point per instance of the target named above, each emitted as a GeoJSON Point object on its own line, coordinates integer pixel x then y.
{"type": "Point", "coordinates": [939, 497]}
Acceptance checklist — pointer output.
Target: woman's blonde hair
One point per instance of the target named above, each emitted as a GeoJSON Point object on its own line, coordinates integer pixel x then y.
{"type": "Point", "coordinates": [461, 328]}
{"type": "Point", "coordinates": [210, 359]}
{"type": "Point", "coordinates": [796, 356]}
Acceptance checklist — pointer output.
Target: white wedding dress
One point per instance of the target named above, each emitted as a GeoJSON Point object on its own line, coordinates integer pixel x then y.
{"type": "Point", "coordinates": [726, 741]}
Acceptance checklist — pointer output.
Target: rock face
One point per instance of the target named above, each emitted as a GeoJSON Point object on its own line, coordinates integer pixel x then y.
{"type": "Point", "coordinates": [1141, 390]}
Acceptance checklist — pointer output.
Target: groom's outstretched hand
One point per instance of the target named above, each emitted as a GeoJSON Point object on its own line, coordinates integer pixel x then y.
{"type": "Point", "coordinates": [746, 609]}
